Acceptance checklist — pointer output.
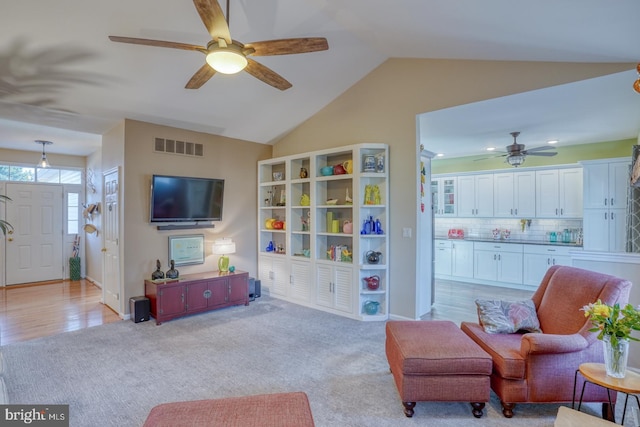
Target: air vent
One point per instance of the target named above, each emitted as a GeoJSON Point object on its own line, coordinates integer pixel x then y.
{"type": "Point", "coordinates": [171, 146]}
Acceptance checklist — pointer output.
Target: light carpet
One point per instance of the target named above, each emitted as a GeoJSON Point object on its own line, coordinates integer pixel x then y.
{"type": "Point", "coordinates": [112, 375]}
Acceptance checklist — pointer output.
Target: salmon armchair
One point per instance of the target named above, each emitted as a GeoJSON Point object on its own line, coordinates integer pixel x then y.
{"type": "Point", "coordinates": [540, 367]}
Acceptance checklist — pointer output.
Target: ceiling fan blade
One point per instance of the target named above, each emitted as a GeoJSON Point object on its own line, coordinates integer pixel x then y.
{"type": "Point", "coordinates": [157, 43]}
{"type": "Point", "coordinates": [547, 154]}
{"type": "Point", "coordinates": [491, 157]}
{"type": "Point", "coordinates": [543, 147]}
{"type": "Point", "coordinates": [212, 17]}
{"type": "Point", "coordinates": [267, 75]}
{"type": "Point", "coordinates": [288, 46]}
{"type": "Point", "coordinates": [200, 77]}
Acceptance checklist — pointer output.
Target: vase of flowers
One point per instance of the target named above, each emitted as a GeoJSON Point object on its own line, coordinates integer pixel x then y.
{"type": "Point", "coordinates": [614, 326]}
{"type": "Point", "coordinates": [615, 356]}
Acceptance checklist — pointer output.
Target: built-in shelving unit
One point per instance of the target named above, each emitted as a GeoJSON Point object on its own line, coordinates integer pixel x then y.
{"type": "Point", "coordinates": [319, 256]}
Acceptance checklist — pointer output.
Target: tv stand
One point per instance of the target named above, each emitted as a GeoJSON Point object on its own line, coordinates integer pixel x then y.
{"type": "Point", "coordinates": [184, 226]}
{"type": "Point", "coordinates": [196, 293]}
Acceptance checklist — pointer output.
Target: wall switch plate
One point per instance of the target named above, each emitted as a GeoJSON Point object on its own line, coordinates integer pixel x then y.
{"type": "Point", "coordinates": [406, 232]}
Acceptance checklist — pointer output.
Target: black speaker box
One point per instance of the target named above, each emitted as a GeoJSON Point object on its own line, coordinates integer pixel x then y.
{"type": "Point", "coordinates": [254, 288]}
{"type": "Point", "coordinates": [139, 308]}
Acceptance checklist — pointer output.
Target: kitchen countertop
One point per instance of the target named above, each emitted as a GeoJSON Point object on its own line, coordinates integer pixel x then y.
{"type": "Point", "coordinates": [526, 242]}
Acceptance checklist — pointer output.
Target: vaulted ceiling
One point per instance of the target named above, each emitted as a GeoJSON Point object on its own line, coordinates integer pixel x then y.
{"type": "Point", "coordinates": [62, 79]}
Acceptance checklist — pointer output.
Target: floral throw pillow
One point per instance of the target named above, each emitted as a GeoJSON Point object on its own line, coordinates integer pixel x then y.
{"type": "Point", "coordinates": [507, 317]}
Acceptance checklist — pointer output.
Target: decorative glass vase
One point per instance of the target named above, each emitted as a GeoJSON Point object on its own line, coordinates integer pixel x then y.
{"type": "Point", "coordinates": [615, 356]}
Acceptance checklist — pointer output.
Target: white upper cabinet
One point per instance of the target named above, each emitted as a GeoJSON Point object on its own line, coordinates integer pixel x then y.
{"type": "Point", "coordinates": [605, 201]}
{"type": "Point", "coordinates": [559, 193]}
{"type": "Point", "coordinates": [443, 196]}
{"type": "Point", "coordinates": [606, 185]}
{"type": "Point", "coordinates": [475, 195]}
{"type": "Point", "coordinates": [513, 194]}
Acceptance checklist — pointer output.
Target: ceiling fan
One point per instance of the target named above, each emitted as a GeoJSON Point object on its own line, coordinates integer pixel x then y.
{"type": "Point", "coordinates": [228, 56]}
{"type": "Point", "coordinates": [516, 153]}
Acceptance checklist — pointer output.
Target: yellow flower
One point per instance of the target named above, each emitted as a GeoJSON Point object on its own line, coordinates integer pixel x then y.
{"type": "Point", "coordinates": [601, 310]}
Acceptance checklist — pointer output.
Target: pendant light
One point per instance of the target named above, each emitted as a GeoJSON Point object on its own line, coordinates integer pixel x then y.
{"type": "Point", "coordinates": [43, 163]}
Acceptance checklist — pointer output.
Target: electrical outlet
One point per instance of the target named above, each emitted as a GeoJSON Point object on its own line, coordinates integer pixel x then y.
{"type": "Point", "coordinates": [406, 232]}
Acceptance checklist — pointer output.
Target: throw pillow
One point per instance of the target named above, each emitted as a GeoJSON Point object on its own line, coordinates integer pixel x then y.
{"type": "Point", "coordinates": [507, 317]}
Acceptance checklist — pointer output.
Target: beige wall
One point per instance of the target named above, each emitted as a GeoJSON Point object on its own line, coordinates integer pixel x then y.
{"type": "Point", "coordinates": [382, 107]}
{"type": "Point", "coordinates": [230, 159]}
{"type": "Point", "coordinates": [32, 157]}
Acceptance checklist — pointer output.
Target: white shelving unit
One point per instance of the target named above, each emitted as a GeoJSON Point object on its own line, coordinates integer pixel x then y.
{"type": "Point", "coordinates": [313, 260]}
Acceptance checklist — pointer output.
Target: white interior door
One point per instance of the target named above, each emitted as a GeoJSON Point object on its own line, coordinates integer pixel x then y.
{"type": "Point", "coordinates": [111, 237]}
{"type": "Point", "coordinates": [34, 246]}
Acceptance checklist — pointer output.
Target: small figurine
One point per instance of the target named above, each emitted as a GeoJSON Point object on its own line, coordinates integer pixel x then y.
{"type": "Point", "coordinates": [173, 273]}
{"type": "Point", "coordinates": [303, 173]}
{"type": "Point", "coordinates": [367, 194]}
{"type": "Point", "coordinates": [376, 195]}
{"type": "Point", "coordinates": [158, 274]}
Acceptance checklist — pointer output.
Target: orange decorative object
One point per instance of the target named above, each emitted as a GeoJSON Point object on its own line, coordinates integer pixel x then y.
{"type": "Point", "coordinates": [278, 225]}
{"type": "Point", "coordinates": [636, 86]}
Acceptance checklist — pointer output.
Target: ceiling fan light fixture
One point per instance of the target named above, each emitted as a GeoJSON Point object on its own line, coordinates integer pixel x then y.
{"type": "Point", "coordinates": [226, 59]}
{"type": "Point", "coordinates": [515, 160]}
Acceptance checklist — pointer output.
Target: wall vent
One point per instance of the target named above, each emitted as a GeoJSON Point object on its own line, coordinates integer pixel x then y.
{"type": "Point", "coordinates": [171, 146]}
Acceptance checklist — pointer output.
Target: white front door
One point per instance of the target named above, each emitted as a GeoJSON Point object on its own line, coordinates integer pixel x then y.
{"type": "Point", "coordinates": [34, 247]}
{"type": "Point", "coordinates": [111, 237]}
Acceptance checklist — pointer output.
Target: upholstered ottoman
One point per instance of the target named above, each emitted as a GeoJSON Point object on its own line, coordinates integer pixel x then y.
{"type": "Point", "coordinates": [435, 361]}
{"type": "Point", "coordinates": [264, 410]}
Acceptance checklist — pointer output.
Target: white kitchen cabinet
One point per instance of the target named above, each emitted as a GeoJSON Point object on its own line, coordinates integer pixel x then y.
{"type": "Point", "coordinates": [498, 262]}
{"type": "Point", "coordinates": [559, 193]}
{"type": "Point", "coordinates": [461, 259]}
{"type": "Point", "coordinates": [538, 259]}
{"type": "Point", "coordinates": [334, 287]}
{"type": "Point", "coordinates": [514, 194]}
{"type": "Point", "coordinates": [443, 196]}
{"type": "Point", "coordinates": [604, 230]}
{"type": "Point", "coordinates": [605, 200]}
{"type": "Point", "coordinates": [442, 258]}
{"type": "Point", "coordinates": [605, 184]}
{"type": "Point", "coordinates": [475, 195]}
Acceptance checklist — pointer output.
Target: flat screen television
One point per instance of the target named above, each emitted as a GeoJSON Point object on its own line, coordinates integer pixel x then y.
{"type": "Point", "coordinates": [185, 199]}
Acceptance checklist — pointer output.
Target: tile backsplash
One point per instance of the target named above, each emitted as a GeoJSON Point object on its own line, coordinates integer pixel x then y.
{"type": "Point", "coordinates": [482, 227]}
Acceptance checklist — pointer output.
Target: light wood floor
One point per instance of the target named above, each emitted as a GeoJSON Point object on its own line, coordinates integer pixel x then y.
{"type": "Point", "coordinates": [39, 310]}
{"type": "Point", "coordinates": [455, 301]}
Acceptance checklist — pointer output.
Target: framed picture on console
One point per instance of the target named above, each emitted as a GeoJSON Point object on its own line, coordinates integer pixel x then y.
{"type": "Point", "coordinates": [186, 250]}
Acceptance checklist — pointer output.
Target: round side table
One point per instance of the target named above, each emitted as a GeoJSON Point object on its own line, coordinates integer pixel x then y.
{"type": "Point", "coordinates": [595, 373]}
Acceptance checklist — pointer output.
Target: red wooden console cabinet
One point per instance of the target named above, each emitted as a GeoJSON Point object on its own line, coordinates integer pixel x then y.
{"type": "Point", "coordinates": [195, 293]}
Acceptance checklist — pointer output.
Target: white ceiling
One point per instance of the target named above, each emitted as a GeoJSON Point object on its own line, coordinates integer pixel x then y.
{"type": "Point", "coordinates": [58, 70]}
